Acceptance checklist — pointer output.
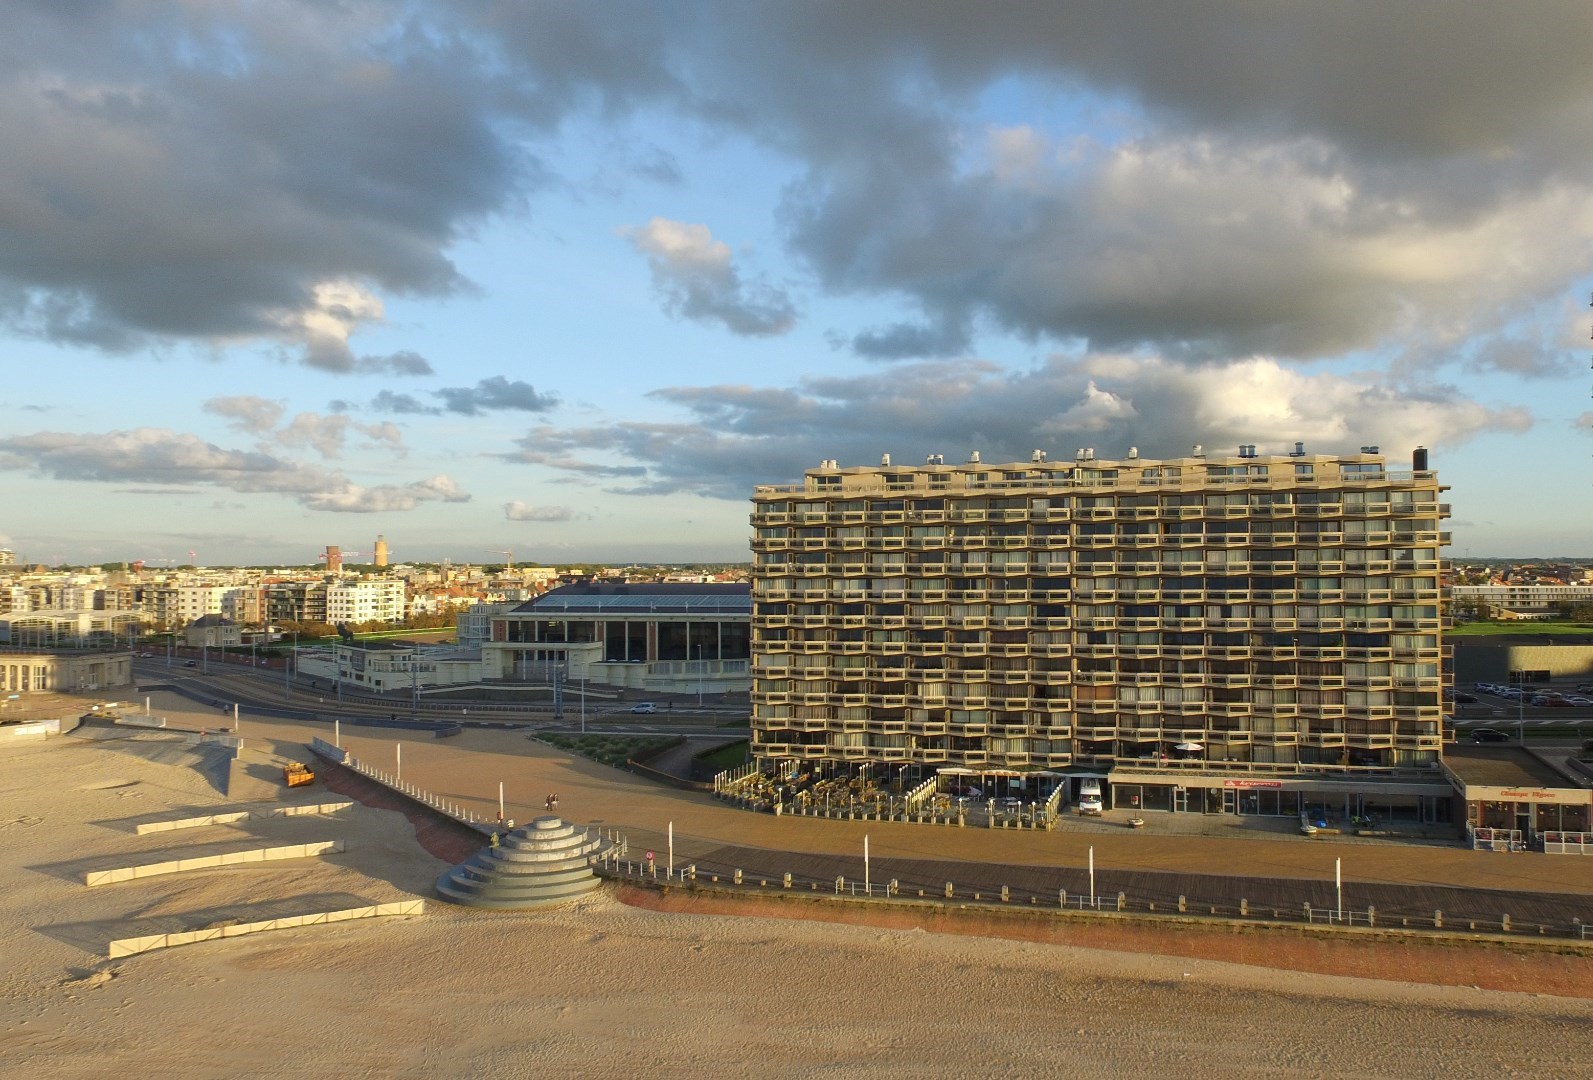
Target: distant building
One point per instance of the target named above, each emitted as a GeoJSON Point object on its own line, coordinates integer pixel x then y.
{"type": "Point", "coordinates": [379, 554]}
{"type": "Point", "coordinates": [334, 559]}
{"type": "Point", "coordinates": [28, 671]}
{"type": "Point", "coordinates": [365, 600]}
{"type": "Point", "coordinates": [215, 631]}
{"type": "Point", "coordinates": [664, 637]}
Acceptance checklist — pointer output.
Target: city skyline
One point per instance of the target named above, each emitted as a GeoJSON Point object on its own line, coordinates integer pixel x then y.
{"type": "Point", "coordinates": [569, 282]}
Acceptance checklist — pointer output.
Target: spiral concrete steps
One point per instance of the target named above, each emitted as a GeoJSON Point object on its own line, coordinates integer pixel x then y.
{"type": "Point", "coordinates": [548, 861]}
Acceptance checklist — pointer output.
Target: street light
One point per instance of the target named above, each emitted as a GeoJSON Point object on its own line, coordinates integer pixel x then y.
{"type": "Point", "coordinates": [700, 675]}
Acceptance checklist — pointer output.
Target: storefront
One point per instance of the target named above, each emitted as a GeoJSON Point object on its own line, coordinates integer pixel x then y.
{"type": "Point", "coordinates": [1331, 799]}
{"type": "Point", "coordinates": [1515, 800]}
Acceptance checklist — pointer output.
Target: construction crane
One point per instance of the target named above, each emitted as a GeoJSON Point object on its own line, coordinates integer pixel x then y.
{"type": "Point", "coordinates": [501, 551]}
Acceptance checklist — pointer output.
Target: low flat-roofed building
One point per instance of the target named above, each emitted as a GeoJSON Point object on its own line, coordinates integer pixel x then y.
{"type": "Point", "coordinates": [1514, 798]}
{"type": "Point", "coordinates": [26, 671]}
{"type": "Point", "coordinates": [664, 637]}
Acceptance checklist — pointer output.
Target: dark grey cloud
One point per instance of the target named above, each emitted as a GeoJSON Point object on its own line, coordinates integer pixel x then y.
{"type": "Point", "coordinates": [737, 437]}
{"type": "Point", "coordinates": [158, 456]}
{"type": "Point", "coordinates": [221, 173]}
{"type": "Point", "coordinates": [403, 404]}
{"type": "Point", "coordinates": [1218, 179]}
{"type": "Point", "coordinates": [1222, 178]}
{"type": "Point", "coordinates": [495, 393]}
{"type": "Point", "coordinates": [916, 341]}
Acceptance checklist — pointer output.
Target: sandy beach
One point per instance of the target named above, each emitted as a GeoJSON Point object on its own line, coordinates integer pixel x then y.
{"type": "Point", "coordinates": [602, 988]}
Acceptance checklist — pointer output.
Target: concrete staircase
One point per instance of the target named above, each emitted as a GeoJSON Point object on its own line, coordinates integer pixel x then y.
{"type": "Point", "coordinates": [546, 862]}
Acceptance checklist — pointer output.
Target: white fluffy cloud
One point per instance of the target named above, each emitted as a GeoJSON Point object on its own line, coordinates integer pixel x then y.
{"type": "Point", "coordinates": [698, 280]}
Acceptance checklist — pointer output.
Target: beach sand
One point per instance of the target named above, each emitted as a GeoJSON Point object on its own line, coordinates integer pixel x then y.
{"type": "Point", "coordinates": [602, 988]}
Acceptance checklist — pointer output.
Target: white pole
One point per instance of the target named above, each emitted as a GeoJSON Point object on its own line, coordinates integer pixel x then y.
{"type": "Point", "coordinates": [235, 718]}
{"type": "Point", "coordinates": [1338, 885]}
{"type": "Point", "coordinates": [399, 747]}
{"type": "Point", "coordinates": [866, 889]}
{"type": "Point", "coordinates": [583, 704]}
{"type": "Point", "coordinates": [671, 873]}
{"type": "Point", "coordinates": [146, 706]}
{"type": "Point", "coordinates": [337, 732]}
{"type": "Point", "coordinates": [1092, 875]}
{"type": "Point", "coordinates": [500, 800]}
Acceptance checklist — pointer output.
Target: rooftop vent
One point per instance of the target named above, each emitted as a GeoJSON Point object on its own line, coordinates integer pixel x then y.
{"type": "Point", "coordinates": [973, 458]}
{"type": "Point", "coordinates": [1133, 453]}
{"type": "Point", "coordinates": [1198, 451]}
{"type": "Point", "coordinates": [1369, 449]}
{"type": "Point", "coordinates": [884, 459]}
{"type": "Point", "coordinates": [1037, 457]}
{"type": "Point", "coordinates": [1298, 451]}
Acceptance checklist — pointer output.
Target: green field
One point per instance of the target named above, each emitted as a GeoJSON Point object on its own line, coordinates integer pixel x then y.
{"type": "Point", "coordinates": [1518, 628]}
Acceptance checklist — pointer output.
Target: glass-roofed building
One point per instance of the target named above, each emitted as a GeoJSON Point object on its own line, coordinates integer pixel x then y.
{"type": "Point", "coordinates": [667, 638]}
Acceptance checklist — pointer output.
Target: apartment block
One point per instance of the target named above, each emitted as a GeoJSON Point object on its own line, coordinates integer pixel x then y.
{"type": "Point", "coordinates": [367, 600]}
{"type": "Point", "coordinates": [1247, 633]}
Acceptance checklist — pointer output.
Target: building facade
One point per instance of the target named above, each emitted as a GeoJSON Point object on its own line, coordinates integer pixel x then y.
{"type": "Point", "coordinates": [669, 638]}
{"type": "Point", "coordinates": [1244, 634]}
{"type": "Point", "coordinates": [367, 600]}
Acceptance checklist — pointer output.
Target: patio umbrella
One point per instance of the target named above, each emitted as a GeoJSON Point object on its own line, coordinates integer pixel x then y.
{"type": "Point", "coordinates": [1189, 746]}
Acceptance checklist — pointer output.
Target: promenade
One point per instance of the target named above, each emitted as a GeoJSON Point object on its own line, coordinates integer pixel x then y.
{"type": "Point", "coordinates": [468, 768]}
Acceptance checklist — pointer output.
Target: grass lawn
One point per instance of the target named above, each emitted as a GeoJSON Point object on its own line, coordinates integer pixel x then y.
{"type": "Point", "coordinates": [1489, 629]}
{"type": "Point", "coordinates": [726, 757]}
{"type": "Point", "coordinates": [608, 749]}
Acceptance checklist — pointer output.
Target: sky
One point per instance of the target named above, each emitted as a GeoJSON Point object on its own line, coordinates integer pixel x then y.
{"type": "Point", "coordinates": [567, 280]}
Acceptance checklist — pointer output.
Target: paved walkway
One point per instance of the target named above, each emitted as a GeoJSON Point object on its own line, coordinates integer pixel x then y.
{"type": "Point", "coordinates": [468, 768]}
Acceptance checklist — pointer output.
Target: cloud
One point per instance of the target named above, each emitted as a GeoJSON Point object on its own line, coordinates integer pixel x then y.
{"type": "Point", "coordinates": [516, 510]}
{"type": "Point", "coordinates": [325, 434]}
{"type": "Point", "coordinates": [247, 413]}
{"type": "Point", "coordinates": [740, 436]}
{"type": "Point", "coordinates": [495, 393]}
{"type": "Point", "coordinates": [403, 404]}
{"type": "Point", "coordinates": [1216, 181]}
{"type": "Point", "coordinates": [693, 273]}
{"type": "Point", "coordinates": [353, 499]}
{"type": "Point", "coordinates": [181, 462]}
{"type": "Point", "coordinates": [218, 175]}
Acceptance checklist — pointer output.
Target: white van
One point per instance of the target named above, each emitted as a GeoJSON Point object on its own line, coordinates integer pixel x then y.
{"type": "Point", "coordinates": [1090, 797]}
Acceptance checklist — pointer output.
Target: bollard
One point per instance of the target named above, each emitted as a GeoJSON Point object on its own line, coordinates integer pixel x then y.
{"type": "Point", "coordinates": [738, 877]}
{"type": "Point", "coordinates": [1061, 898]}
{"type": "Point", "coordinates": [1006, 894]}
{"type": "Point", "coordinates": [1438, 920]}
{"type": "Point", "coordinates": [1244, 908]}
{"type": "Point", "coordinates": [1371, 915]}
{"type": "Point", "coordinates": [1504, 923]}
{"type": "Point", "coordinates": [950, 892]}
{"type": "Point", "coordinates": [1183, 904]}
{"type": "Point", "coordinates": [894, 888]}
{"type": "Point", "coordinates": [840, 885]}
{"type": "Point", "coordinates": [1122, 901]}
{"type": "Point", "coordinates": [1308, 913]}
{"type": "Point", "coordinates": [787, 879]}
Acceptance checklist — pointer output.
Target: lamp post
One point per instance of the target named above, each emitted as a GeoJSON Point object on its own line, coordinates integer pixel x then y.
{"type": "Point", "coordinates": [1521, 707]}
{"type": "Point", "coordinates": [699, 675]}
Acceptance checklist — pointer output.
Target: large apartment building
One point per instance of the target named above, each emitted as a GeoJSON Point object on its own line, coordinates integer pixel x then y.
{"type": "Point", "coordinates": [1244, 633]}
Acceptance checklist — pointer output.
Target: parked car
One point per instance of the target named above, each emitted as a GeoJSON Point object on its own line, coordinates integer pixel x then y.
{"type": "Point", "coordinates": [646, 708]}
{"type": "Point", "coordinates": [190, 663]}
{"type": "Point", "coordinates": [1578, 701]}
{"type": "Point", "coordinates": [1487, 735]}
